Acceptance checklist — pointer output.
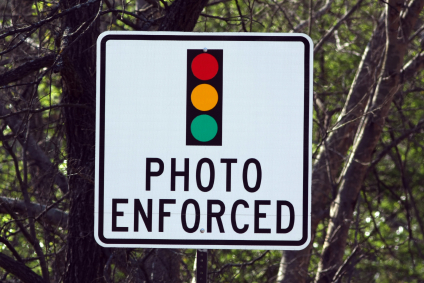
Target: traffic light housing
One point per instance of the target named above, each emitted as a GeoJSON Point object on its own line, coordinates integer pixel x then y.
{"type": "Point", "coordinates": [204, 97]}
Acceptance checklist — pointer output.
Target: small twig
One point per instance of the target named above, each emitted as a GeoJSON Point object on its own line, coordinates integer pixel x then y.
{"type": "Point", "coordinates": [106, 270]}
{"type": "Point", "coordinates": [51, 206]}
{"type": "Point", "coordinates": [336, 26]}
{"type": "Point", "coordinates": [310, 18]}
{"type": "Point", "coordinates": [42, 22]}
{"type": "Point", "coordinates": [394, 143]}
{"type": "Point", "coordinates": [284, 14]}
{"type": "Point", "coordinates": [240, 264]}
{"type": "Point", "coordinates": [11, 248]}
{"type": "Point", "coordinates": [317, 15]}
{"type": "Point", "coordinates": [141, 18]}
{"type": "Point", "coordinates": [216, 2]}
{"type": "Point", "coordinates": [220, 18]}
{"type": "Point", "coordinates": [241, 16]}
{"type": "Point", "coordinates": [342, 269]}
{"type": "Point", "coordinates": [32, 111]}
{"type": "Point", "coordinates": [416, 33]}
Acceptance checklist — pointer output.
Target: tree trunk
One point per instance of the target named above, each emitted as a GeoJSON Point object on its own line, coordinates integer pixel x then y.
{"type": "Point", "coordinates": [294, 264]}
{"type": "Point", "coordinates": [182, 15]}
{"type": "Point", "coordinates": [85, 259]}
{"type": "Point", "coordinates": [79, 79]}
{"type": "Point", "coordinates": [366, 139]}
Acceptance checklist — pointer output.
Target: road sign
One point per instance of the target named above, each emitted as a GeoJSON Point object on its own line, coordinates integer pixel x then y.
{"type": "Point", "coordinates": [203, 140]}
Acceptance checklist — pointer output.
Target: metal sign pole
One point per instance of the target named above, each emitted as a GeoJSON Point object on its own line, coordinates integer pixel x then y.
{"type": "Point", "coordinates": [202, 266]}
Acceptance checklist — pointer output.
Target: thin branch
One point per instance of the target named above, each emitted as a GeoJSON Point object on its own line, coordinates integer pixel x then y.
{"type": "Point", "coordinates": [32, 111]}
{"type": "Point", "coordinates": [15, 85]}
{"type": "Point", "coordinates": [284, 14]}
{"type": "Point", "coordinates": [46, 214]}
{"type": "Point", "coordinates": [106, 271]}
{"type": "Point", "coordinates": [395, 142]}
{"type": "Point", "coordinates": [47, 20]}
{"type": "Point", "coordinates": [32, 240]}
{"type": "Point", "coordinates": [409, 18]}
{"type": "Point", "coordinates": [316, 16]}
{"type": "Point", "coordinates": [11, 248]}
{"type": "Point", "coordinates": [342, 269]}
{"type": "Point", "coordinates": [310, 18]}
{"type": "Point", "coordinates": [141, 18]}
{"type": "Point", "coordinates": [35, 152]}
{"type": "Point", "coordinates": [20, 270]}
{"type": "Point", "coordinates": [416, 33]}
{"type": "Point", "coordinates": [336, 26]}
{"type": "Point", "coordinates": [116, 14]}
{"type": "Point", "coordinates": [412, 67]}
{"type": "Point", "coordinates": [27, 201]}
{"type": "Point", "coordinates": [50, 207]}
{"type": "Point", "coordinates": [26, 69]}
{"type": "Point", "coordinates": [220, 18]}
{"type": "Point", "coordinates": [217, 2]}
{"type": "Point", "coordinates": [241, 16]}
{"type": "Point", "coordinates": [23, 39]}
{"type": "Point", "coordinates": [240, 264]}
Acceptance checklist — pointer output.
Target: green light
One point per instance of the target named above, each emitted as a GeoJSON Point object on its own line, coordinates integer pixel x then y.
{"type": "Point", "coordinates": [204, 128]}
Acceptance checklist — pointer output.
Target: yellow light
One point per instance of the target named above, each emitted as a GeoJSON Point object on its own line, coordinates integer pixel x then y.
{"type": "Point", "coordinates": [204, 97]}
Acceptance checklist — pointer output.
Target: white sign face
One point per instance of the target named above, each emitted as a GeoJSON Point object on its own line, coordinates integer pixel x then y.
{"type": "Point", "coordinates": [203, 140]}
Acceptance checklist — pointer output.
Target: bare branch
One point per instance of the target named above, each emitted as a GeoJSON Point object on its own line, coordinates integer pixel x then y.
{"type": "Point", "coordinates": [35, 152]}
{"type": "Point", "coordinates": [284, 14]}
{"type": "Point", "coordinates": [416, 33]}
{"type": "Point", "coordinates": [217, 2]}
{"type": "Point", "coordinates": [343, 268]}
{"type": "Point", "coordinates": [243, 264]}
{"type": "Point", "coordinates": [241, 16]}
{"type": "Point", "coordinates": [409, 18]}
{"type": "Point", "coordinates": [317, 15]}
{"type": "Point", "coordinates": [106, 271]}
{"type": "Point", "coordinates": [52, 216]}
{"type": "Point", "coordinates": [115, 13]}
{"type": "Point", "coordinates": [11, 248]}
{"type": "Point", "coordinates": [47, 20]}
{"type": "Point", "coordinates": [412, 68]}
{"type": "Point", "coordinates": [20, 270]}
{"type": "Point", "coordinates": [395, 142]}
{"type": "Point", "coordinates": [336, 26]}
{"type": "Point", "coordinates": [33, 111]}
{"type": "Point", "coordinates": [26, 69]}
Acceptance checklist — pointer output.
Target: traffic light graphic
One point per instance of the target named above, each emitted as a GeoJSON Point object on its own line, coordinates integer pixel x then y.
{"type": "Point", "coordinates": [204, 97]}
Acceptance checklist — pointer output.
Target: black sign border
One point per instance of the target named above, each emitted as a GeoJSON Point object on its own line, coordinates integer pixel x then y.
{"type": "Point", "coordinates": [306, 157]}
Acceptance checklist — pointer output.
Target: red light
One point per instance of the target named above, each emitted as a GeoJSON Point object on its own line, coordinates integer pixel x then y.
{"type": "Point", "coordinates": [204, 66]}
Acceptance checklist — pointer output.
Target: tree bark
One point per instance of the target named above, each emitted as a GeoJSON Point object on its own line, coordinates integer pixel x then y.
{"type": "Point", "coordinates": [182, 15]}
{"type": "Point", "coordinates": [85, 259]}
{"type": "Point", "coordinates": [163, 265]}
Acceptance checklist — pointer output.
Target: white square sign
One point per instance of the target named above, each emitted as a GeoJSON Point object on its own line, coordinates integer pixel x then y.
{"type": "Point", "coordinates": [203, 140]}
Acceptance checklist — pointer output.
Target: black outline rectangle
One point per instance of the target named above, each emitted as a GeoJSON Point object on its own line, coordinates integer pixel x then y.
{"type": "Point", "coordinates": [192, 111]}
{"type": "Point", "coordinates": [306, 157]}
